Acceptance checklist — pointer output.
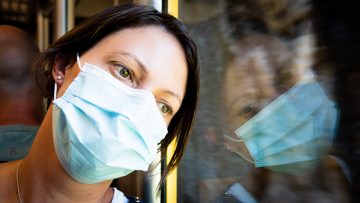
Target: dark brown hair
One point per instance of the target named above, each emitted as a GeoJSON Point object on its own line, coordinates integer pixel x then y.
{"type": "Point", "coordinates": [113, 19]}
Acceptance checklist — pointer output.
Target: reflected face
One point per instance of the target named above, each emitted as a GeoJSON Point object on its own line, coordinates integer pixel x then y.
{"type": "Point", "coordinates": [248, 86]}
{"type": "Point", "coordinates": [146, 58]}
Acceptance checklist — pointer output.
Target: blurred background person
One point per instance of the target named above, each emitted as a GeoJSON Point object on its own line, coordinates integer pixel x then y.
{"type": "Point", "coordinates": [276, 116]}
{"type": "Point", "coordinates": [21, 108]}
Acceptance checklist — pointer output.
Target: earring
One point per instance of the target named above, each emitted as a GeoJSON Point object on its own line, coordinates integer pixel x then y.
{"type": "Point", "coordinates": [59, 77]}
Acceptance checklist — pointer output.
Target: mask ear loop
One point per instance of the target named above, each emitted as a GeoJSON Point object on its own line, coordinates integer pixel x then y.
{"type": "Point", "coordinates": [78, 61]}
{"type": "Point", "coordinates": [235, 151]}
{"type": "Point", "coordinates": [55, 91]}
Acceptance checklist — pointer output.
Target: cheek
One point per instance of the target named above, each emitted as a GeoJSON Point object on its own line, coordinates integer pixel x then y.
{"type": "Point", "coordinates": [70, 75]}
{"type": "Point", "coordinates": [167, 121]}
{"type": "Point", "coordinates": [231, 122]}
{"type": "Point", "coordinates": [228, 121]}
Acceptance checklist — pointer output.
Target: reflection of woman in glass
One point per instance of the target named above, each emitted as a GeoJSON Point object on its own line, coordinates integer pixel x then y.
{"type": "Point", "coordinates": [125, 83]}
{"type": "Point", "coordinates": [277, 117]}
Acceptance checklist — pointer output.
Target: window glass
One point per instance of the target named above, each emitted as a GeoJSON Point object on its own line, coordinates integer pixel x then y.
{"type": "Point", "coordinates": [273, 120]}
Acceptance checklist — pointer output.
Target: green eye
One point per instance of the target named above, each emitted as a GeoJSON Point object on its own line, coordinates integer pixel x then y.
{"type": "Point", "coordinates": [125, 73]}
{"type": "Point", "coordinates": [122, 73]}
{"type": "Point", "coordinates": [164, 108]}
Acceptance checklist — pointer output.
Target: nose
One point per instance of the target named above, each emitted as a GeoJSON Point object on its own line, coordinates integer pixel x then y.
{"type": "Point", "coordinates": [149, 87]}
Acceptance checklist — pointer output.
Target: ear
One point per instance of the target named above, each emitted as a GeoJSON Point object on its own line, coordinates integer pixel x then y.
{"type": "Point", "coordinates": [58, 71]}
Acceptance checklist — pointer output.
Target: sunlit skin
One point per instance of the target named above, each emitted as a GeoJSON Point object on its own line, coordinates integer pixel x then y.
{"type": "Point", "coordinates": [164, 74]}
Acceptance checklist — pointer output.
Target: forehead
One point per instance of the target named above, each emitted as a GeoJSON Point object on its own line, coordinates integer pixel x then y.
{"type": "Point", "coordinates": [248, 74]}
{"type": "Point", "coordinates": [248, 83]}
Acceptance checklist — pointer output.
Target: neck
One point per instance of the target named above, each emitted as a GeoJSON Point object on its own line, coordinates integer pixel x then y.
{"type": "Point", "coordinates": [41, 174]}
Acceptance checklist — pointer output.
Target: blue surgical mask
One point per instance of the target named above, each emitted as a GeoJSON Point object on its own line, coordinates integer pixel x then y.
{"type": "Point", "coordinates": [296, 127]}
{"type": "Point", "coordinates": [104, 129]}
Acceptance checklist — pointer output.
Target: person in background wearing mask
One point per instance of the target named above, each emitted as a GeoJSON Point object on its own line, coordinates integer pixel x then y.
{"type": "Point", "coordinates": [279, 118]}
{"type": "Point", "coordinates": [21, 109]}
{"type": "Point", "coordinates": [123, 85]}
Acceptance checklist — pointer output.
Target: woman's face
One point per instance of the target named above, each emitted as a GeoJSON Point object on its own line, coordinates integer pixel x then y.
{"type": "Point", "coordinates": [146, 58]}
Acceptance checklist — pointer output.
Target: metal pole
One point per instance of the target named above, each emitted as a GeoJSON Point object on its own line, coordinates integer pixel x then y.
{"type": "Point", "coordinates": [70, 14]}
{"type": "Point", "coordinates": [60, 20]}
{"type": "Point", "coordinates": [152, 181]}
{"type": "Point", "coordinates": [157, 4]}
{"type": "Point", "coordinates": [116, 2]}
{"type": "Point", "coordinates": [40, 34]}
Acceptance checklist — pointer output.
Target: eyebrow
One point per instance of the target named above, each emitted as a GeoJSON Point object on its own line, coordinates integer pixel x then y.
{"type": "Point", "coordinates": [173, 94]}
{"type": "Point", "coordinates": [139, 63]}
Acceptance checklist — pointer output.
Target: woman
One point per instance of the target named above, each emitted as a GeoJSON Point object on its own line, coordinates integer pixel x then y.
{"type": "Point", "coordinates": [125, 82]}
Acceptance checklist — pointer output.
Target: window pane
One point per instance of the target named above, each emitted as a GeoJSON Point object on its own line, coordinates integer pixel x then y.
{"type": "Point", "coordinates": [273, 121]}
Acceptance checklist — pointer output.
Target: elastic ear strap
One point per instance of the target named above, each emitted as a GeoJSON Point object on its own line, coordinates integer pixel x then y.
{"type": "Point", "coordinates": [55, 91]}
{"type": "Point", "coordinates": [232, 139]}
{"type": "Point", "coordinates": [243, 156]}
{"type": "Point", "coordinates": [78, 60]}
{"type": "Point", "coordinates": [238, 153]}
